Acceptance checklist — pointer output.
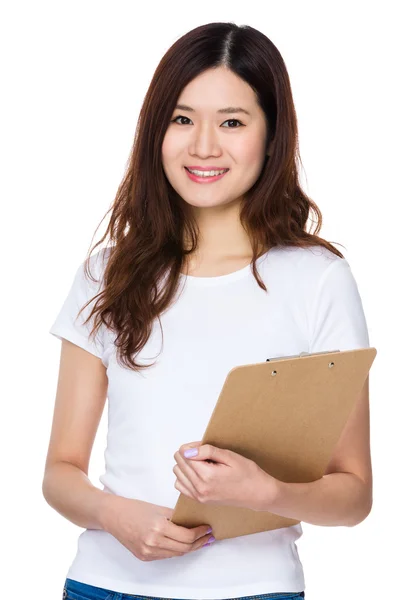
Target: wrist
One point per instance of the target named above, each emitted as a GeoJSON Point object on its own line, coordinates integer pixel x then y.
{"type": "Point", "coordinates": [106, 507]}
{"type": "Point", "coordinates": [273, 491]}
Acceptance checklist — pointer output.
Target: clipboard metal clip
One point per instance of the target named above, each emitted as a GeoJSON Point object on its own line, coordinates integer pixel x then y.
{"type": "Point", "coordinates": [301, 354]}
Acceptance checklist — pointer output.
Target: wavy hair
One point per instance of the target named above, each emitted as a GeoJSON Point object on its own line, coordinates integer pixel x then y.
{"type": "Point", "coordinates": [150, 222]}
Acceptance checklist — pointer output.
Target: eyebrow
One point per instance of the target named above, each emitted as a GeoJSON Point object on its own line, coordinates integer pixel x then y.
{"type": "Point", "coordinates": [227, 110]}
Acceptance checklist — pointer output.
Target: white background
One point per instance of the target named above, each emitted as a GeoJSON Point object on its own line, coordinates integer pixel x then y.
{"type": "Point", "coordinates": [74, 75]}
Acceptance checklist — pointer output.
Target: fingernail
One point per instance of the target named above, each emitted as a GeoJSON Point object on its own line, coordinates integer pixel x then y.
{"type": "Point", "coordinates": [210, 530]}
{"type": "Point", "coordinates": [190, 452]}
{"type": "Point", "coordinates": [210, 541]}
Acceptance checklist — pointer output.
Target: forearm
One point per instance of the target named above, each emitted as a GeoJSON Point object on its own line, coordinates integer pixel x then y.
{"type": "Point", "coordinates": [337, 499]}
{"type": "Point", "coordinates": [69, 491]}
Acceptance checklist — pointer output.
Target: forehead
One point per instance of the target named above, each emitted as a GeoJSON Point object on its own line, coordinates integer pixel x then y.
{"type": "Point", "coordinates": [217, 91]}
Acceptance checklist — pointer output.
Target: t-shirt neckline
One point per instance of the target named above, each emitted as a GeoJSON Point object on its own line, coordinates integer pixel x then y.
{"type": "Point", "coordinates": [220, 279]}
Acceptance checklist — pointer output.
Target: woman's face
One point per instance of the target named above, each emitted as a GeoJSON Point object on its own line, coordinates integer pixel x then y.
{"type": "Point", "coordinates": [203, 137]}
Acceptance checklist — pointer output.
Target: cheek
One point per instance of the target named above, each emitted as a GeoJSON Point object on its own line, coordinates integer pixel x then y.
{"type": "Point", "coordinates": [251, 165]}
{"type": "Point", "coordinates": [166, 148]}
{"type": "Point", "coordinates": [248, 151]}
{"type": "Point", "coordinates": [169, 157]}
{"type": "Point", "coordinates": [172, 146]}
{"type": "Point", "coordinates": [253, 152]}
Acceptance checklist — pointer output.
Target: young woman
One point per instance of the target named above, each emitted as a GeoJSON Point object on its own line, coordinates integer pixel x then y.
{"type": "Point", "coordinates": [209, 266]}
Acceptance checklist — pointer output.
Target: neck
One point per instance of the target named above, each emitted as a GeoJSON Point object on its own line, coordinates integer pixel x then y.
{"type": "Point", "coordinates": [221, 234]}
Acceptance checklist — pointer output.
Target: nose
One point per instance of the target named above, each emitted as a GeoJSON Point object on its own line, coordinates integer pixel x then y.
{"type": "Point", "coordinates": [205, 142]}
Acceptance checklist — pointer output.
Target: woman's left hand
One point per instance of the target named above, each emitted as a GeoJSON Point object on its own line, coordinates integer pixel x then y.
{"type": "Point", "coordinates": [231, 480]}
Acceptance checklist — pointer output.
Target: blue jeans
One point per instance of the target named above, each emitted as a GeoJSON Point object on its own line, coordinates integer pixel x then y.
{"type": "Point", "coordinates": [74, 590]}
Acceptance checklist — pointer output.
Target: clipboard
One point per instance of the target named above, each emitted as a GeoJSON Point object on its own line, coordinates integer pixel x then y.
{"type": "Point", "coordinates": [286, 414]}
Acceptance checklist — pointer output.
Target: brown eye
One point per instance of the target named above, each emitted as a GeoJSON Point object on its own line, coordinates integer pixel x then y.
{"type": "Point", "coordinates": [228, 121]}
{"type": "Point", "coordinates": [179, 117]}
{"type": "Point", "coordinates": [233, 121]}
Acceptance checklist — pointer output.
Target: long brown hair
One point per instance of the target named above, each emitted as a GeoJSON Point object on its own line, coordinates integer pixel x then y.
{"type": "Point", "coordinates": [150, 222]}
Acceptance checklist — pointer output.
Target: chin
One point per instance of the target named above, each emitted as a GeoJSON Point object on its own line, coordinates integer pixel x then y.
{"type": "Point", "coordinates": [208, 204]}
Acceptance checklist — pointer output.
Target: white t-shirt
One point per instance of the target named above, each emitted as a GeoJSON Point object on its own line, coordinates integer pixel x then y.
{"type": "Point", "coordinates": [312, 305]}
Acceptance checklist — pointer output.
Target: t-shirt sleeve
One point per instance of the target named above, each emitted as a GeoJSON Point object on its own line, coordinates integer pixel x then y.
{"type": "Point", "coordinates": [338, 321]}
{"type": "Point", "coordinates": [71, 328]}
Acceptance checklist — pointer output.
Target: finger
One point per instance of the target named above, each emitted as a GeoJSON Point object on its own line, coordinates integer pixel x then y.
{"type": "Point", "coordinates": [189, 470]}
{"type": "Point", "coordinates": [189, 445]}
{"type": "Point", "coordinates": [207, 452]}
{"type": "Point", "coordinates": [184, 534]}
{"type": "Point", "coordinates": [184, 481]}
{"type": "Point", "coordinates": [183, 489]}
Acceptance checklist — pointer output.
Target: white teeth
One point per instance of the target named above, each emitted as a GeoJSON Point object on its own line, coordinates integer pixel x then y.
{"type": "Point", "coordinates": [206, 173]}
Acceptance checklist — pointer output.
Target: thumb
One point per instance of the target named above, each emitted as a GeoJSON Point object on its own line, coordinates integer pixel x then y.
{"type": "Point", "coordinates": [206, 452]}
{"type": "Point", "coordinates": [189, 446]}
{"type": "Point", "coordinates": [167, 512]}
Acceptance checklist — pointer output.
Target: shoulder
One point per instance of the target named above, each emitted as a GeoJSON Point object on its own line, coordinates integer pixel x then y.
{"type": "Point", "coordinates": [96, 267]}
{"type": "Point", "coordinates": [100, 259]}
{"type": "Point", "coordinates": [308, 264]}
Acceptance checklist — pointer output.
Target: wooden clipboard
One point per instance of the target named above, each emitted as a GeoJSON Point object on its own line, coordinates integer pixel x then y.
{"type": "Point", "coordinates": [286, 414]}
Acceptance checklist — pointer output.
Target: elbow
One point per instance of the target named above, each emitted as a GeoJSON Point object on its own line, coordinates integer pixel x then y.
{"type": "Point", "coordinates": [47, 484]}
{"type": "Point", "coordinates": [362, 515]}
{"type": "Point", "coordinates": [45, 490]}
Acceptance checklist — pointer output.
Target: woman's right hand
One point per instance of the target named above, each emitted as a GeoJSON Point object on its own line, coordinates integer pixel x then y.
{"type": "Point", "coordinates": [145, 529]}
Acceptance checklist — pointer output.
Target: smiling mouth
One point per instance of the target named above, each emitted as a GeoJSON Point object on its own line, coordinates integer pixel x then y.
{"type": "Point", "coordinates": [205, 178]}
{"type": "Point", "coordinates": [199, 171]}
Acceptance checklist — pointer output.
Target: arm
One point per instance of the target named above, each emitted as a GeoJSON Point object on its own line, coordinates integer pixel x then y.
{"type": "Point", "coordinates": [80, 398]}
{"type": "Point", "coordinates": [335, 499]}
{"type": "Point", "coordinates": [69, 491]}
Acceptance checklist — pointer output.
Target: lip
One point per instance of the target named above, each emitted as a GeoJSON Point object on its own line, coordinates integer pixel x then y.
{"type": "Point", "coordinates": [203, 180]}
{"type": "Point", "coordinates": [210, 168]}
